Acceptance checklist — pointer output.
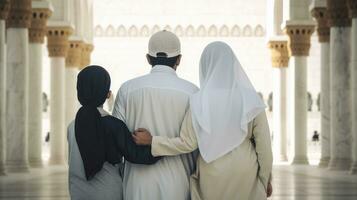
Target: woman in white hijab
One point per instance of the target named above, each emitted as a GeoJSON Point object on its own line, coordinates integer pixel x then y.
{"type": "Point", "coordinates": [228, 124]}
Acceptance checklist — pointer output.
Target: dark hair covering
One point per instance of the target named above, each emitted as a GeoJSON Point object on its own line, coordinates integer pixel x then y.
{"type": "Point", "coordinates": [162, 60]}
{"type": "Point", "coordinates": [93, 86]}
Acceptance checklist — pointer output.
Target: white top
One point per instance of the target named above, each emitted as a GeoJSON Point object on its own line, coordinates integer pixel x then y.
{"type": "Point", "coordinates": [106, 184]}
{"type": "Point", "coordinates": [158, 102]}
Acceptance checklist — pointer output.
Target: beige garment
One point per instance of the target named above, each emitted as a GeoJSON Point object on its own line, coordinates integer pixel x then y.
{"type": "Point", "coordinates": [234, 176]}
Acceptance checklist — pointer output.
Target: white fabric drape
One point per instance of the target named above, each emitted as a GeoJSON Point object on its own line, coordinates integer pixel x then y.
{"type": "Point", "coordinates": [226, 103]}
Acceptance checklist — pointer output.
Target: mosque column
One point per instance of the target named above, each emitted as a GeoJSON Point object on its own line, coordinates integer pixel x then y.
{"type": "Point", "coordinates": [4, 10]}
{"type": "Point", "coordinates": [299, 34]}
{"type": "Point", "coordinates": [353, 7]}
{"type": "Point", "coordinates": [40, 15]}
{"type": "Point", "coordinates": [280, 62]}
{"type": "Point", "coordinates": [86, 55]}
{"type": "Point", "coordinates": [73, 63]}
{"type": "Point", "coordinates": [341, 124]}
{"type": "Point", "coordinates": [323, 31]}
{"type": "Point", "coordinates": [58, 47]}
{"type": "Point", "coordinates": [18, 22]}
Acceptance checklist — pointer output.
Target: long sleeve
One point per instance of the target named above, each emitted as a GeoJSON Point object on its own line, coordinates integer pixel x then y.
{"type": "Point", "coordinates": [186, 143]}
{"type": "Point", "coordinates": [132, 152]}
{"type": "Point", "coordinates": [263, 147]}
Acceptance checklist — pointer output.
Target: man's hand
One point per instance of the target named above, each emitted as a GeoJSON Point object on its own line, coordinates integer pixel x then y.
{"type": "Point", "coordinates": [142, 136]}
{"type": "Point", "coordinates": [269, 189]}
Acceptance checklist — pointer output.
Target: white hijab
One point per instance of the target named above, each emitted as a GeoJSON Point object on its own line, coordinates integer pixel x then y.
{"type": "Point", "coordinates": [226, 103]}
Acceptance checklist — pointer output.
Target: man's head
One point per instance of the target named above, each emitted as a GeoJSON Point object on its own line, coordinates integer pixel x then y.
{"type": "Point", "coordinates": [164, 49]}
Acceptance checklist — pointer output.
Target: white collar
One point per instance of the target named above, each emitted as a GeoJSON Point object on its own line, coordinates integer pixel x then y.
{"type": "Point", "coordinates": [163, 69]}
{"type": "Point", "coordinates": [102, 112]}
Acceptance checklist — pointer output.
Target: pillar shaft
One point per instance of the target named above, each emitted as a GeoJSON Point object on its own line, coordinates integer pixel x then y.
{"type": "Point", "coordinates": [341, 124]}
{"type": "Point", "coordinates": [37, 34]}
{"type": "Point", "coordinates": [73, 63]}
{"type": "Point", "coordinates": [353, 7]}
{"type": "Point", "coordinates": [298, 108]}
{"type": "Point", "coordinates": [71, 93]}
{"type": "Point", "coordinates": [325, 105]}
{"type": "Point", "coordinates": [280, 61]}
{"type": "Point", "coordinates": [58, 48]}
{"type": "Point", "coordinates": [4, 9]}
{"type": "Point", "coordinates": [323, 31]}
{"type": "Point", "coordinates": [17, 85]}
{"type": "Point", "coordinates": [299, 46]}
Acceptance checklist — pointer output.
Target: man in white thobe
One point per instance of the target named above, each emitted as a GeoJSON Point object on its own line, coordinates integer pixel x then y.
{"type": "Point", "coordinates": [158, 102]}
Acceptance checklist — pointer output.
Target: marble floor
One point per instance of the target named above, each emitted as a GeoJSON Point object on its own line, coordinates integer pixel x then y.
{"type": "Point", "coordinates": [290, 182]}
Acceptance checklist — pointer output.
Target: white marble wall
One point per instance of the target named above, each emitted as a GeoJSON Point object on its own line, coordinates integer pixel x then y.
{"type": "Point", "coordinates": [2, 96]}
{"type": "Point", "coordinates": [35, 102]}
{"type": "Point", "coordinates": [354, 93]}
{"type": "Point", "coordinates": [57, 111]}
{"type": "Point", "coordinates": [280, 113]}
{"type": "Point", "coordinates": [298, 108]}
{"type": "Point", "coordinates": [340, 98]}
{"type": "Point", "coordinates": [17, 99]}
{"type": "Point", "coordinates": [325, 104]}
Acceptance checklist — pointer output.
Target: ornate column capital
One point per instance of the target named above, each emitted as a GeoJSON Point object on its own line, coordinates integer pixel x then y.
{"type": "Point", "coordinates": [20, 14]}
{"type": "Point", "coordinates": [352, 4]}
{"type": "Point", "coordinates": [37, 30]}
{"type": "Point", "coordinates": [279, 53]}
{"type": "Point", "coordinates": [338, 13]}
{"type": "Point", "coordinates": [86, 55]}
{"type": "Point", "coordinates": [323, 27]}
{"type": "Point", "coordinates": [4, 9]}
{"type": "Point", "coordinates": [58, 40]}
{"type": "Point", "coordinates": [74, 56]}
{"type": "Point", "coordinates": [299, 38]}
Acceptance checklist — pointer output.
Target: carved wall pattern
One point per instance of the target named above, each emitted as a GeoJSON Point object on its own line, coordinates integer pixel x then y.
{"type": "Point", "coordinates": [181, 31]}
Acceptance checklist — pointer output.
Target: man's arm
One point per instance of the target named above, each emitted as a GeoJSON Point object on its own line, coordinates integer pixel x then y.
{"type": "Point", "coordinates": [163, 146]}
{"type": "Point", "coordinates": [132, 152]}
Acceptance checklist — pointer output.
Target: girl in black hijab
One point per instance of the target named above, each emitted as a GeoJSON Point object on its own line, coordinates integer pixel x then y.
{"type": "Point", "coordinates": [98, 142]}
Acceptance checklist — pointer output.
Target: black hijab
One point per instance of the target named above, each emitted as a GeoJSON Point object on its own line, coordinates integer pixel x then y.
{"type": "Point", "coordinates": [93, 86]}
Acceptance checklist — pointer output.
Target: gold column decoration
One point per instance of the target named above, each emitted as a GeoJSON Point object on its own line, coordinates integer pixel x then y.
{"type": "Point", "coordinates": [86, 55]}
{"type": "Point", "coordinates": [74, 56]}
{"type": "Point", "coordinates": [299, 39]}
{"type": "Point", "coordinates": [338, 13]}
{"type": "Point", "coordinates": [38, 25]}
{"type": "Point", "coordinates": [58, 41]}
{"type": "Point", "coordinates": [4, 9]}
{"type": "Point", "coordinates": [353, 8]}
{"type": "Point", "coordinates": [20, 14]}
{"type": "Point", "coordinates": [279, 53]}
{"type": "Point", "coordinates": [323, 28]}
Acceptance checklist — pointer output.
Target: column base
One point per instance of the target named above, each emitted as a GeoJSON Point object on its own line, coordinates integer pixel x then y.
{"type": "Point", "coordinates": [36, 163]}
{"type": "Point", "coordinates": [56, 161]}
{"type": "Point", "coordinates": [282, 158]}
{"type": "Point", "coordinates": [324, 162]}
{"type": "Point", "coordinates": [339, 164]}
{"type": "Point", "coordinates": [300, 160]}
{"type": "Point", "coordinates": [354, 168]}
{"type": "Point", "coordinates": [17, 168]}
{"type": "Point", "coordinates": [2, 171]}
